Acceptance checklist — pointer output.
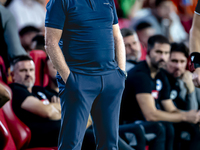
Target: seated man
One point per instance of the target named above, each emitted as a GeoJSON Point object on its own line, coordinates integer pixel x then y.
{"type": "Point", "coordinates": [146, 89]}
{"type": "Point", "coordinates": [33, 105]}
{"type": "Point", "coordinates": [144, 31]}
{"type": "Point", "coordinates": [182, 88]}
{"type": "Point", "coordinates": [163, 18]}
{"type": "Point", "coordinates": [133, 48]}
{"type": "Point", "coordinates": [27, 35]}
{"type": "Point", "coordinates": [183, 95]}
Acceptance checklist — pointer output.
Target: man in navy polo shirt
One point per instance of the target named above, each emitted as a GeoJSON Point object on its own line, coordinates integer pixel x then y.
{"type": "Point", "coordinates": [194, 46]}
{"type": "Point", "coordinates": [84, 43]}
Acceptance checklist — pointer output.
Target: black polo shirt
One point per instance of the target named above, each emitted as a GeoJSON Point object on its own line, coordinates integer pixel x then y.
{"type": "Point", "coordinates": [178, 92]}
{"type": "Point", "coordinates": [20, 93]}
{"type": "Point", "coordinates": [140, 81]}
{"type": "Point", "coordinates": [197, 10]}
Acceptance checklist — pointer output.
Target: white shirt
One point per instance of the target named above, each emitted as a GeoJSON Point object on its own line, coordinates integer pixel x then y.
{"type": "Point", "coordinates": [27, 12]}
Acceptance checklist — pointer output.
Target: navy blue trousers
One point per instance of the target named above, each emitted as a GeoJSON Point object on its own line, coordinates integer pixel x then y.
{"type": "Point", "coordinates": [99, 95]}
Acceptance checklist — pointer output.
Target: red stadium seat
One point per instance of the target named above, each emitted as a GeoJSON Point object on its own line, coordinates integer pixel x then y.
{"type": "Point", "coordinates": [6, 142]}
{"type": "Point", "coordinates": [3, 74]}
{"type": "Point", "coordinates": [21, 134]}
{"type": "Point", "coordinates": [3, 136]}
{"type": "Point", "coordinates": [39, 58]}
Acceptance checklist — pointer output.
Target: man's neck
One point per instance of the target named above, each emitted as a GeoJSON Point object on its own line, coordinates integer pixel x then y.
{"type": "Point", "coordinates": [30, 90]}
{"type": "Point", "coordinates": [153, 70]}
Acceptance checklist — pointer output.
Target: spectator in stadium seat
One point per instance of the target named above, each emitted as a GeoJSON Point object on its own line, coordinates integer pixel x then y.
{"type": "Point", "coordinates": [28, 12]}
{"type": "Point", "coordinates": [146, 89]}
{"type": "Point", "coordinates": [38, 40]}
{"type": "Point", "coordinates": [10, 42]}
{"type": "Point", "coordinates": [183, 95]}
{"type": "Point", "coordinates": [144, 31]}
{"type": "Point", "coordinates": [39, 109]}
{"type": "Point", "coordinates": [27, 34]}
{"type": "Point", "coordinates": [33, 105]}
{"type": "Point", "coordinates": [164, 19]}
{"type": "Point", "coordinates": [132, 46]}
{"type": "Point", "coordinates": [182, 88]}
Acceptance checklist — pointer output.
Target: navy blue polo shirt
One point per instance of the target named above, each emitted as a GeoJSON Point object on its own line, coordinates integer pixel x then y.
{"type": "Point", "coordinates": [87, 40]}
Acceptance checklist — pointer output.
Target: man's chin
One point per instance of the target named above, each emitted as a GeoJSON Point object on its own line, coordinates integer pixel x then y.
{"type": "Point", "coordinates": [29, 85]}
{"type": "Point", "coordinates": [132, 58]}
{"type": "Point", "coordinates": [162, 65]}
{"type": "Point", "coordinates": [177, 75]}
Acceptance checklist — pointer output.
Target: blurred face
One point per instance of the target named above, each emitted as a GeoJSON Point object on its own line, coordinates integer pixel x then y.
{"type": "Point", "coordinates": [165, 9]}
{"type": "Point", "coordinates": [177, 64]}
{"type": "Point", "coordinates": [3, 1]}
{"type": "Point", "coordinates": [159, 55]}
{"type": "Point", "coordinates": [145, 34]}
{"type": "Point", "coordinates": [133, 49]}
{"type": "Point", "coordinates": [51, 70]}
{"type": "Point", "coordinates": [26, 41]}
{"type": "Point", "coordinates": [24, 73]}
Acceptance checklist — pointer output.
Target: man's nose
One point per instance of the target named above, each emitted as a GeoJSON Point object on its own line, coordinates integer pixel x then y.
{"type": "Point", "coordinates": [177, 65]}
{"type": "Point", "coordinates": [28, 73]}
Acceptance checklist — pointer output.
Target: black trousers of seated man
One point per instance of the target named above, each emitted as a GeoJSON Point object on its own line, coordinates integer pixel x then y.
{"type": "Point", "coordinates": [164, 134]}
{"type": "Point", "coordinates": [137, 130]}
{"type": "Point", "coordinates": [193, 131]}
{"type": "Point", "coordinates": [44, 134]}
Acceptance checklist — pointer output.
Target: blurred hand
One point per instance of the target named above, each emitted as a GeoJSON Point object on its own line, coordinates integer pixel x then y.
{"type": "Point", "coordinates": [193, 116]}
{"type": "Point", "coordinates": [89, 123]}
{"type": "Point", "coordinates": [55, 99]}
{"type": "Point", "coordinates": [196, 77]}
{"type": "Point", "coordinates": [187, 79]}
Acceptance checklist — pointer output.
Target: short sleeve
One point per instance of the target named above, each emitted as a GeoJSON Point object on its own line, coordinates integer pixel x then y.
{"type": "Point", "coordinates": [55, 15]}
{"type": "Point", "coordinates": [197, 10]}
{"type": "Point", "coordinates": [115, 21]}
{"type": "Point", "coordinates": [18, 97]}
{"type": "Point", "coordinates": [166, 88]}
{"type": "Point", "coordinates": [140, 82]}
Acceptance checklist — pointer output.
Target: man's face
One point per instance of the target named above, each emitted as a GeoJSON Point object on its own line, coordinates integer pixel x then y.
{"type": "Point", "coordinates": [159, 55]}
{"type": "Point", "coordinates": [24, 73]}
{"type": "Point", "coordinates": [145, 34]}
{"type": "Point", "coordinates": [165, 9]}
{"type": "Point", "coordinates": [133, 49]}
{"type": "Point", "coordinates": [26, 40]}
{"type": "Point", "coordinates": [176, 64]}
{"type": "Point", "coordinates": [3, 1]}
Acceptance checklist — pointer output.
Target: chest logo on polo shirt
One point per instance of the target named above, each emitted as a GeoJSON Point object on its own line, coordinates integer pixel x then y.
{"type": "Point", "coordinates": [155, 93]}
{"type": "Point", "coordinates": [42, 95]}
{"type": "Point", "coordinates": [158, 85]}
{"type": "Point", "coordinates": [173, 94]}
